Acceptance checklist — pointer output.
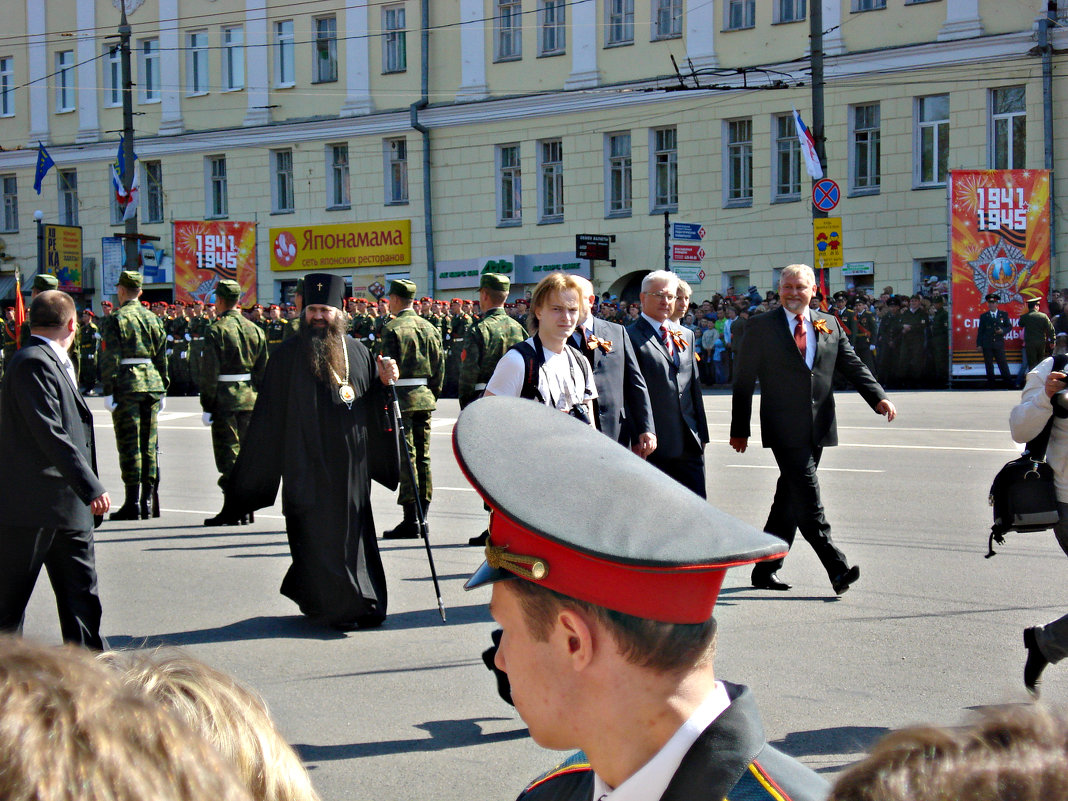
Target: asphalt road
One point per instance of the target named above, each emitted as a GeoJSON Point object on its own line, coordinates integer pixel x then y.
{"type": "Point", "coordinates": [931, 630]}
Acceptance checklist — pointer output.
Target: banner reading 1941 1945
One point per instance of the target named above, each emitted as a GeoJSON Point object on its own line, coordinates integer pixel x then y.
{"type": "Point", "coordinates": [999, 244]}
{"type": "Point", "coordinates": [207, 252]}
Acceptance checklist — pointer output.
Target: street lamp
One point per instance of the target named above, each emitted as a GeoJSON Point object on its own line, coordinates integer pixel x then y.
{"type": "Point", "coordinates": [37, 217]}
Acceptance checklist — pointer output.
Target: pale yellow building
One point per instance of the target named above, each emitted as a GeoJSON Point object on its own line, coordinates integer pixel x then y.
{"type": "Point", "coordinates": [538, 120]}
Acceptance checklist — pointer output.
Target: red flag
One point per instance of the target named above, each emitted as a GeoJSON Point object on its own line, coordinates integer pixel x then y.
{"type": "Point", "coordinates": [20, 311]}
{"type": "Point", "coordinates": [823, 291]}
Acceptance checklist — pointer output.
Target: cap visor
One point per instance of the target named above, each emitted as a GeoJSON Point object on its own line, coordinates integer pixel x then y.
{"type": "Point", "coordinates": [487, 575]}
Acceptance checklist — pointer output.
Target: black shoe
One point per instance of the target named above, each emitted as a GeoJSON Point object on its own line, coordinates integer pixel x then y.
{"type": "Point", "coordinates": [480, 540]}
{"type": "Point", "coordinates": [844, 580]}
{"type": "Point", "coordinates": [129, 509]}
{"type": "Point", "coordinates": [770, 582]}
{"type": "Point", "coordinates": [1035, 663]}
{"type": "Point", "coordinates": [405, 530]}
{"type": "Point", "coordinates": [223, 519]}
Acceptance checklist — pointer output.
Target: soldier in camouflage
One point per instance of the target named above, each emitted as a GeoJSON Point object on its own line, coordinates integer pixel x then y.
{"type": "Point", "coordinates": [197, 328]}
{"type": "Point", "coordinates": [235, 356]}
{"type": "Point", "coordinates": [488, 339]}
{"type": "Point", "coordinates": [133, 370]}
{"type": "Point", "coordinates": [178, 340]}
{"type": "Point", "coordinates": [459, 322]}
{"type": "Point", "coordinates": [89, 348]}
{"type": "Point", "coordinates": [415, 345]}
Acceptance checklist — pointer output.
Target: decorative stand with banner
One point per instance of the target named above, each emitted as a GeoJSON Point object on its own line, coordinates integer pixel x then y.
{"type": "Point", "coordinates": [208, 252]}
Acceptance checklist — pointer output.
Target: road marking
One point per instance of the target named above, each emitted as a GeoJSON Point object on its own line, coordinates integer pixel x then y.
{"type": "Point", "coordinates": [929, 447]}
{"type": "Point", "coordinates": [822, 469]}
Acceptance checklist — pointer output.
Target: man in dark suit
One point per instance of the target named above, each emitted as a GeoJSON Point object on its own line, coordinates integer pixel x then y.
{"type": "Point", "coordinates": [667, 360]}
{"type": "Point", "coordinates": [990, 338]}
{"type": "Point", "coordinates": [622, 404]}
{"type": "Point", "coordinates": [794, 352]}
{"type": "Point", "coordinates": [49, 490]}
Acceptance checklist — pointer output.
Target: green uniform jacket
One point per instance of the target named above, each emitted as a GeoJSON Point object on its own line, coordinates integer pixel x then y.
{"type": "Point", "coordinates": [415, 344]}
{"type": "Point", "coordinates": [487, 341]}
{"type": "Point", "coordinates": [133, 332]}
{"type": "Point", "coordinates": [233, 346]}
{"type": "Point", "coordinates": [1037, 328]}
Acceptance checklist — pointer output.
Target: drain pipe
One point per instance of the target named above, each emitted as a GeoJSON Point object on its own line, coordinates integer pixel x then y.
{"type": "Point", "coordinates": [413, 110]}
{"type": "Point", "coordinates": [1045, 25]}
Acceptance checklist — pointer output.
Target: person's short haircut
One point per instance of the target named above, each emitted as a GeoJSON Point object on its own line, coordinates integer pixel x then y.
{"type": "Point", "coordinates": [660, 275]}
{"type": "Point", "coordinates": [1012, 752]}
{"type": "Point", "coordinates": [51, 309]}
{"type": "Point", "coordinates": [228, 715]}
{"type": "Point", "coordinates": [495, 296]}
{"type": "Point", "coordinates": [71, 731]}
{"type": "Point", "coordinates": [555, 282]}
{"type": "Point", "coordinates": [684, 289]}
{"type": "Point", "coordinates": [802, 270]}
{"type": "Point", "coordinates": [664, 647]}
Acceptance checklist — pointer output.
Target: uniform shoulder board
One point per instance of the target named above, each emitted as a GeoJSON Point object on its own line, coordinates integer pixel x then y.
{"type": "Point", "coordinates": [576, 763]}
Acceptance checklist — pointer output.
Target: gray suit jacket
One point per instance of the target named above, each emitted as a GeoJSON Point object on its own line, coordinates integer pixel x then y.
{"type": "Point", "coordinates": [48, 470]}
{"type": "Point", "coordinates": [623, 408]}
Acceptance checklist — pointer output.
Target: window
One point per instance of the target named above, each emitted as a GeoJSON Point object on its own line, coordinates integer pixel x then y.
{"type": "Point", "coordinates": [617, 166]}
{"type": "Point", "coordinates": [789, 10]}
{"type": "Point", "coordinates": [7, 87]}
{"type": "Point", "coordinates": [282, 184]}
{"type": "Point", "coordinates": [550, 181]}
{"type": "Point", "coordinates": [667, 19]}
{"type": "Point", "coordinates": [152, 208]}
{"type": "Point", "coordinates": [1008, 126]}
{"type": "Point", "coordinates": [216, 195]}
{"type": "Point", "coordinates": [396, 171]}
{"type": "Point", "coordinates": [395, 43]}
{"type": "Point", "coordinates": [68, 197]}
{"type": "Point", "coordinates": [552, 35]}
{"type": "Point", "coordinates": [739, 155]}
{"type": "Point", "coordinates": [740, 14]}
{"type": "Point", "coordinates": [325, 69]}
{"type": "Point", "coordinates": [64, 78]}
{"type": "Point", "coordinates": [233, 58]}
{"type": "Point", "coordinates": [620, 22]}
{"type": "Point", "coordinates": [283, 53]}
{"type": "Point", "coordinates": [508, 24]}
{"type": "Point", "coordinates": [196, 65]}
{"type": "Point", "coordinates": [866, 148]}
{"type": "Point", "coordinates": [509, 186]}
{"type": "Point", "coordinates": [932, 140]}
{"type": "Point", "coordinates": [665, 164]}
{"type": "Point", "coordinates": [338, 188]}
{"type": "Point", "coordinates": [868, 5]}
{"type": "Point", "coordinates": [786, 164]}
{"type": "Point", "coordinates": [112, 76]}
{"type": "Point", "coordinates": [10, 187]}
{"type": "Point", "coordinates": [148, 67]}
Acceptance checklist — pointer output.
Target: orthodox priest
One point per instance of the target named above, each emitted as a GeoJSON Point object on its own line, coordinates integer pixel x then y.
{"type": "Point", "coordinates": [322, 399]}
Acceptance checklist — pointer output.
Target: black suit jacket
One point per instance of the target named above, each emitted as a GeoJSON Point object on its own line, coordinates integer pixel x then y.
{"type": "Point", "coordinates": [48, 470]}
{"type": "Point", "coordinates": [796, 404]}
{"type": "Point", "coordinates": [985, 336]}
{"type": "Point", "coordinates": [675, 393]}
{"type": "Point", "coordinates": [623, 408]}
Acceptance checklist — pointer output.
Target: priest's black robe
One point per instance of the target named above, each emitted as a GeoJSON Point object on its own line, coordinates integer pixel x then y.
{"type": "Point", "coordinates": [303, 434]}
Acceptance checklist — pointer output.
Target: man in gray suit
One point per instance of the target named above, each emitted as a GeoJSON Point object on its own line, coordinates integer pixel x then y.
{"type": "Point", "coordinates": [668, 362]}
{"type": "Point", "coordinates": [49, 490]}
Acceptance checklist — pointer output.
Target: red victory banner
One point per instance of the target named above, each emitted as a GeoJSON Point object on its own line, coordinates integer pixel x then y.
{"type": "Point", "coordinates": [208, 252]}
{"type": "Point", "coordinates": [999, 244]}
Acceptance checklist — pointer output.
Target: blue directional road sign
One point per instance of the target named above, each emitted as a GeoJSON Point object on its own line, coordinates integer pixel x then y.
{"type": "Point", "coordinates": [690, 232]}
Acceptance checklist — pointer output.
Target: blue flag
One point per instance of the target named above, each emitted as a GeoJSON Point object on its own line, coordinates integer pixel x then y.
{"type": "Point", "coordinates": [44, 164]}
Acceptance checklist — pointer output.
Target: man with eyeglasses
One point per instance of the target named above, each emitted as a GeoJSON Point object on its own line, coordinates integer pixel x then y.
{"type": "Point", "coordinates": [667, 359]}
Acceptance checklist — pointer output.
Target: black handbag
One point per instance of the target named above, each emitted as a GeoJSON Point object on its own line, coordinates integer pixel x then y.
{"type": "Point", "coordinates": [1023, 495]}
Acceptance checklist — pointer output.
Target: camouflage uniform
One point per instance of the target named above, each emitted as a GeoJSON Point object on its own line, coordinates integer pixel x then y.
{"type": "Point", "coordinates": [487, 341]}
{"type": "Point", "coordinates": [362, 328]}
{"type": "Point", "coordinates": [234, 347]}
{"type": "Point", "coordinates": [458, 327]}
{"type": "Point", "coordinates": [88, 348]}
{"type": "Point", "coordinates": [276, 333]}
{"type": "Point", "coordinates": [1038, 335]}
{"type": "Point", "coordinates": [198, 328]}
{"type": "Point", "coordinates": [178, 354]}
{"type": "Point", "coordinates": [133, 369]}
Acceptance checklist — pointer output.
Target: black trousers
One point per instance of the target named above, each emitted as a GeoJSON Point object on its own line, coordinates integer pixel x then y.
{"type": "Point", "coordinates": [68, 558]}
{"type": "Point", "coordinates": [989, 355]}
{"type": "Point", "coordinates": [797, 505]}
{"type": "Point", "coordinates": [688, 469]}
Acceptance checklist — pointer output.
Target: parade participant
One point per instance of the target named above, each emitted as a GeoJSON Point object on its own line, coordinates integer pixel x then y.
{"type": "Point", "coordinates": [1038, 335]}
{"type": "Point", "coordinates": [133, 370]}
{"type": "Point", "coordinates": [89, 351]}
{"type": "Point", "coordinates": [668, 362]}
{"type": "Point", "coordinates": [415, 344]}
{"type": "Point", "coordinates": [910, 358]}
{"type": "Point", "coordinates": [609, 641]}
{"type": "Point", "coordinates": [939, 343]}
{"type": "Point", "coordinates": [178, 338]}
{"type": "Point", "coordinates": [275, 327]}
{"type": "Point", "coordinates": [458, 323]}
{"type": "Point", "coordinates": [235, 357]}
{"type": "Point", "coordinates": [863, 337]}
{"type": "Point", "coordinates": [990, 339]}
{"type": "Point", "coordinates": [298, 305]}
{"type": "Point", "coordinates": [488, 339]}
{"type": "Point", "coordinates": [319, 396]}
{"type": "Point", "coordinates": [49, 489]}
{"type": "Point", "coordinates": [794, 353]}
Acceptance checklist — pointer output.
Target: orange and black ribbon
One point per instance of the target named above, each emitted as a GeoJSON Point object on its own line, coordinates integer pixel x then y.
{"type": "Point", "coordinates": [593, 342]}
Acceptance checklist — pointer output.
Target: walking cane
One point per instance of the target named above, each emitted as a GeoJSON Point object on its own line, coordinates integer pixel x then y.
{"type": "Point", "coordinates": [419, 515]}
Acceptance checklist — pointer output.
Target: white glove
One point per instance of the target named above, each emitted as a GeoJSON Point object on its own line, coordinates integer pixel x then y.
{"type": "Point", "coordinates": [184, 355]}
{"type": "Point", "coordinates": [170, 337]}
{"type": "Point", "coordinates": [109, 403]}
{"type": "Point", "coordinates": [163, 403]}
{"type": "Point", "coordinates": [188, 337]}
{"type": "Point", "coordinates": [206, 418]}
{"type": "Point", "coordinates": [873, 348]}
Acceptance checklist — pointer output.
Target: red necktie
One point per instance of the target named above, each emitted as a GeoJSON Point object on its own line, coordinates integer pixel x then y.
{"type": "Point", "coordinates": [801, 336]}
{"type": "Point", "coordinates": [667, 341]}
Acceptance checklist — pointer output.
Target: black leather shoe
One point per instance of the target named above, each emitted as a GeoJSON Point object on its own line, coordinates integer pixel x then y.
{"type": "Point", "coordinates": [223, 519]}
{"type": "Point", "coordinates": [770, 582]}
{"type": "Point", "coordinates": [480, 540]}
{"type": "Point", "coordinates": [1035, 663]}
{"type": "Point", "coordinates": [844, 580]}
{"type": "Point", "coordinates": [405, 530]}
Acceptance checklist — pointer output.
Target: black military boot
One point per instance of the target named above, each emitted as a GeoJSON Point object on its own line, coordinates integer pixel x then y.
{"type": "Point", "coordinates": [128, 510]}
{"type": "Point", "coordinates": [226, 517]}
{"type": "Point", "coordinates": [408, 529]}
{"type": "Point", "coordinates": [155, 499]}
{"type": "Point", "coordinates": [146, 501]}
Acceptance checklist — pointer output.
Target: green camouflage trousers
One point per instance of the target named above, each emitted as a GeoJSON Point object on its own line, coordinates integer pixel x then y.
{"type": "Point", "coordinates": [227, 431]}
{"type": "Point", "coordinates": [417, 436]}
{"type": "Point", "coordinates": [134, 419]}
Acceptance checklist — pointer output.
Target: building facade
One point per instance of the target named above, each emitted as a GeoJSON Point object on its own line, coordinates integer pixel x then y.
{"type": "Point", "coordinates": [496, 131]}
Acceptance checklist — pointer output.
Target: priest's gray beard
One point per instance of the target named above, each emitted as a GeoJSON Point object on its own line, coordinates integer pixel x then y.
{"type": "Point", "coordinates": [324, 347]}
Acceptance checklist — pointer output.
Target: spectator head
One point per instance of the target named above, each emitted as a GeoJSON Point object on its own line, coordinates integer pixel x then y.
{"type": "Point", "coordinates": [658, 295]}
{"type": "Point", "coordinates": [556, 286]}
{"type": "Point", "coordinates": [52, 310]}
{"type": "Point", "coordinates": [682, 300]}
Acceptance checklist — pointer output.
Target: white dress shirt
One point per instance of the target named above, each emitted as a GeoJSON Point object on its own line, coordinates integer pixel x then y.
{"type": "Point", "coordinates": [810, 333]}
{"type": "Point", "coordinates": [64, 359]}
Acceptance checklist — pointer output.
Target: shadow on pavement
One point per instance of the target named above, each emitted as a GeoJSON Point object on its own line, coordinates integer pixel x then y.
{"type": "Point", "coordinates": [444, 734]}
{"type": "Point", "coordinates": [830, 742]}
{"type": "Point", "coordinates": [428, 617]}
{"type": "Point", "coordinates": [295, 627]}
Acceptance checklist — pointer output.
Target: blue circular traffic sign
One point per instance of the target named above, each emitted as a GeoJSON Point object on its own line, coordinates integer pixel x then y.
{"type": "Point", "coordinates": [826, 194]}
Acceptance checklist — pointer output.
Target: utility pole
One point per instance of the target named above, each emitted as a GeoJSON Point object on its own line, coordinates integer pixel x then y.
{"type": "Point", "coordinates": [815, 36]}
{"type": "Point", "coordinates": [133, 260]}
